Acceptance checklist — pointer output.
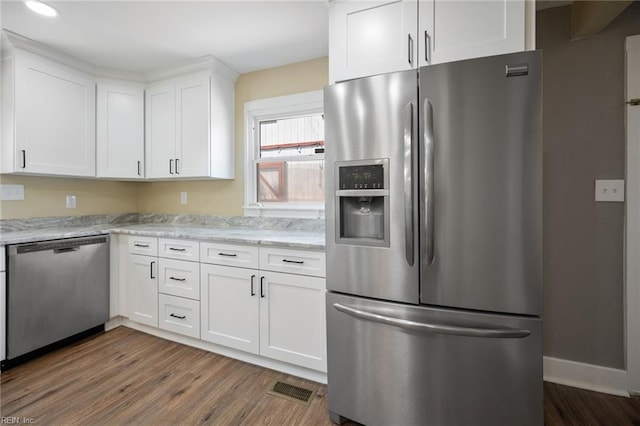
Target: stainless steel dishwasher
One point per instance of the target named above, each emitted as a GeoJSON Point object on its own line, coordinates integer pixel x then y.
{"type": "Point", "coordinates": [55, 290]}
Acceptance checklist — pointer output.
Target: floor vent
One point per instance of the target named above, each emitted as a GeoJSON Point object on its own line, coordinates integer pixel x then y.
{"type": "Point", "coordinates": [290, 392]}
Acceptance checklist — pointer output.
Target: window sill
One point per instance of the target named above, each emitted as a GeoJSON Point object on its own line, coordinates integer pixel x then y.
{"type": "Point", "coordinates": [299, 212]}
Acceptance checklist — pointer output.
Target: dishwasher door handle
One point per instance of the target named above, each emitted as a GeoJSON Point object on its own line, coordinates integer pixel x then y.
{"type": "Point", "coordinates": [65, 250]}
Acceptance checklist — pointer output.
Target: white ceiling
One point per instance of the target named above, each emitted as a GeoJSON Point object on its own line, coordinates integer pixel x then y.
{"type": "Point", "coordinates": [140, 36]}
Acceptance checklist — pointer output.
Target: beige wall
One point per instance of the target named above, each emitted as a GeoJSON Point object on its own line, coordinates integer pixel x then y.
{"type": "Point", "coordinates": [227, 197]}
{"type": "Point", "coordinates": [46, 196]}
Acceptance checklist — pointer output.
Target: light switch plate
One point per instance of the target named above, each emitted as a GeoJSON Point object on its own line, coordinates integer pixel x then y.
{"type": "Point", "coordinates": [610, 190]}
{"type": "Point", "coordinates": [12, 192]}
{"type": "Point", "coordinates": [183, 198]}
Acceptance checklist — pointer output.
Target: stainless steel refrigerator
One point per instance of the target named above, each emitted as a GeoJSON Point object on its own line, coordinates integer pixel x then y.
{"type": "Point", "coordinates": [434, 244]}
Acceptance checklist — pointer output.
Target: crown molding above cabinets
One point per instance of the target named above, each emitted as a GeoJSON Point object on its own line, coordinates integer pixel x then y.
{"type": "Point", "coordinates": [99, 116]}
{"type": "Point", "coordinates": [11, 40]}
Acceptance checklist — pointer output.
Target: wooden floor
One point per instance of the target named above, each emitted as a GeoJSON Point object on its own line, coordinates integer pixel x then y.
{"type": "Point", "coordinates": [128, 377]}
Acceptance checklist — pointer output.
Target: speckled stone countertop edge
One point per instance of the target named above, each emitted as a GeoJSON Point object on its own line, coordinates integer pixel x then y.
{"type": "Point", "coordinates": [278, 237]}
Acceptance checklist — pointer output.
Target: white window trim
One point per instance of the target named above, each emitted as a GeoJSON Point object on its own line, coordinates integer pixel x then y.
{"type": "Point", "coordinates": [266, 109]}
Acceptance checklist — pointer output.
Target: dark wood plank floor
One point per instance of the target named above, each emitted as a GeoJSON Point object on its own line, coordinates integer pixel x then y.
{"type": "Point", "coordinates": [128, 377]}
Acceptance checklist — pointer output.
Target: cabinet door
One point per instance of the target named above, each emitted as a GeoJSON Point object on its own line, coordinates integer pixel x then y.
{"type": "Point", "coordinates": [229, 306]}
{"type": "Point", "coordinates": [54, 118]}
{"type": "Point", "coordinates": [161, 130]}
{"type": "Point", "coordinates": [143, 289]}
{"type": "Point", "coordinates": [292, 319]}
{"type": "Point", "coordinates": [192, 148]}
{"type": "Point", "coordinates": [120, 130]}
{"type": "Point", "coordinates": [371, 37]}
{"type": "Point", "coordinates": [455, 30]}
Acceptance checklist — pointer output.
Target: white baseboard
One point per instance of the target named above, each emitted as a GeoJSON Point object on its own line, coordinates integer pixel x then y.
{"type": "Point", "coordinates": [585, 376]}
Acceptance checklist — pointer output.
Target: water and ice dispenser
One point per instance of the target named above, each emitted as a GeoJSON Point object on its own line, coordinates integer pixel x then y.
{"type": "Point", "coordinates": [362, 202]}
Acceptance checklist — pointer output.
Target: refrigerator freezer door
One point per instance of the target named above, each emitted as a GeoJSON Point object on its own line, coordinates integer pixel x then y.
{"type": "Point", "coordinates": [481, 184]}
{"type": "Point", "coordinates": [399, 364]}
{"type": "Point", "coordinates": [368, 123]}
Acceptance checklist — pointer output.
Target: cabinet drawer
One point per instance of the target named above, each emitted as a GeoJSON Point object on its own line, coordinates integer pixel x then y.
{"type": "Point", "coordinates": [179, 315]}
{"type": "Point", "coordinates": [179, 278]}
{"type": "Point", "coordinates": [293, 261]}
{"type": "Point", "coordinates": [147, 246]}
{"type": "Point", "coordinates": [179, 249]}
{"type": "Point", "coordinates": [229, 254]}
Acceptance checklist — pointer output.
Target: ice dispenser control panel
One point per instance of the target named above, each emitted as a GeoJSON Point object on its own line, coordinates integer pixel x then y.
{"type": "Point", "coordinates": [362, 202]}
{"type": "Point", "coordinates": [370, 176]}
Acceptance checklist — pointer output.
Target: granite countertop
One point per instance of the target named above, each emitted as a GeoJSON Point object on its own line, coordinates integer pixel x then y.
{"type": "Point", "coordinates": [284, 233]}
{"type": "Point", "coordinates": [270, 237]}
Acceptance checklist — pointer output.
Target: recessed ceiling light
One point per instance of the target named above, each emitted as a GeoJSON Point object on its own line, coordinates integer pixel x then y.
{"type": "Point", "coordinates": [42, 8]}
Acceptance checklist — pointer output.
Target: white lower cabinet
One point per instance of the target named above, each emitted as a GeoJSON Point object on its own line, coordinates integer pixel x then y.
{"type": "Point", "coordinates": [273, 314]}
{"type": "Point", "coordinates": [230, 302]}
{"type": "Point", "coordinates": [179, 315]}
{"type": "Point", "coordinates": [143, 289]}
{"type": "Point", "coordinates": [292, 319]}
{"type": "Point", "coordinates": [264, 301]}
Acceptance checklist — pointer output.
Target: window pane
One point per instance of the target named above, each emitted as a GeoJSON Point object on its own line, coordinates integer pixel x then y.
{"type": "Point", "coordinates": [288, 137]}
{"type": "Point", "coordinates": [291, 181]}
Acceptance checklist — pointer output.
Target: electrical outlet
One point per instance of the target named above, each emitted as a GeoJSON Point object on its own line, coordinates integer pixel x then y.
{"type": "Point", "coordinates": [610, 190]}
{"type": "Point", "coordinates": [183, 198]}
{"type": "Point", "coordinates": [71, 201]}
{"type": "Point", "coordinates": [12, 192]}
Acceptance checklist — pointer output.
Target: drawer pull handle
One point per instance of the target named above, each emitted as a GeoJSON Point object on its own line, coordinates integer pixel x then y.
{"type": "Point", "coordinates": [178, 316]}
{"type": "Point", "coordinates": [227, 254]}
{"type": "Point", "coordinates": [177, 279]}
{"type": "Point", "coordinates": [177, 249]}
{"type": "Point", "coordinates": [297, 262]}
{"type": "Point", "coordinates": [141, 245]}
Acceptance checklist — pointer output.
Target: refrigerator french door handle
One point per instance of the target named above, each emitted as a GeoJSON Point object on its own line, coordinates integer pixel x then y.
{"type": "Point", "coordinates": [408, 184]}
{"type": "Point", "coordinates": [428, 175]}
{"type": "Point", "coordinates": [496, 333]}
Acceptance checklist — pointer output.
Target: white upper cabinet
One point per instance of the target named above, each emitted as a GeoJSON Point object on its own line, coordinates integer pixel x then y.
{"type": "Point", "coordinates": [373, 37]}
{"type": "Point", "coordinates": [455, 30]}
{"type": "Point", "coordinates": [161, 129]}
{"type": "Point", "coordinates": [57, 121]}
{"type": "Point", "coordinates": [192, 125]}
{"type": "Point", "coordinates": [120, 129]}
{"type": "Point", "coordinates": [189, 122]}
{"type": "Point", "coordinates": [48, 117]}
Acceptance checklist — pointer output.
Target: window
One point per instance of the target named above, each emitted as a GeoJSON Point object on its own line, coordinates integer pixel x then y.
{"type": "Point", "coordinates": [284, 168]}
